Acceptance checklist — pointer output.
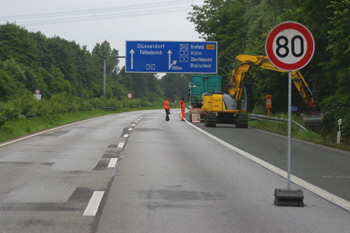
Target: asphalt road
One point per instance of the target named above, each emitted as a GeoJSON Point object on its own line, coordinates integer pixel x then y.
{"type": "Point", "coordinates": [166, 177]}
{"type": "Point", "coordinates": [325, 167]}
{"type": "Point", "coordinates": [47, 179]}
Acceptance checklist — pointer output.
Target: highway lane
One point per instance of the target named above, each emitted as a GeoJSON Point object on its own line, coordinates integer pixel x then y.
{"type": "Point", "coordinates": [174, 178]}
{"type": "Point", "coordinates": [325, 167]}
{"type": "Point", "coordinates": [169, 178]}
{"type": "Point", "coordinates": [47, 179]}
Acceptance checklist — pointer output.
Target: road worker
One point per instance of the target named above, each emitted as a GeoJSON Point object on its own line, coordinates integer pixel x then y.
{"type": "Point", "coordinates": [167, 109]}
{"type": "Point", "coordinates": [182, 108]}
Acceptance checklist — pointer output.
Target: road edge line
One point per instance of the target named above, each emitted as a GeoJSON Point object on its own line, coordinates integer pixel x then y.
{"type": "Point", "coordinates": [296, 180]}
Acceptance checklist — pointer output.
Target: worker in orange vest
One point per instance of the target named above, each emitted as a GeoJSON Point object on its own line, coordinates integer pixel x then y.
{"type": "Point", "coordinates": [167, 109]}
{"type": "Point", "coordinates": [182, 108]}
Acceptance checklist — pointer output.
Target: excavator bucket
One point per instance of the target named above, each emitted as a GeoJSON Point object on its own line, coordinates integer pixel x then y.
{"type": "Point", "coordinates": [312, 120]}
{"type": "Point", "coordinates": [312, 116]}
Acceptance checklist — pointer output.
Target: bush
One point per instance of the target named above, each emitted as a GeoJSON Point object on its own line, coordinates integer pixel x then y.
{"type": "Point", "coordinates": [8, 114]}
{"type": "Point", "coordinates": [114, 103]}
{"type": "Point", "coordinates": [96, 102]}
{"type": "Point", "coordinates": [63, 103]}
{"type": "Point", "coordinates": [25, 106]}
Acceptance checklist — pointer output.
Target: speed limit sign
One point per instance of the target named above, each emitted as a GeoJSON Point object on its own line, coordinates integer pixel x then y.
{"type": "Point", "coordinates": [290, 46]}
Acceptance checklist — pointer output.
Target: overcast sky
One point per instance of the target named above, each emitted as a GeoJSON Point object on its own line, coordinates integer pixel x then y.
{"type": "Point", "coordinates": [88, 22]}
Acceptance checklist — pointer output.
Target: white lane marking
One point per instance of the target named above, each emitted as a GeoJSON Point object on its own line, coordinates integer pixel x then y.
{"type": "Point", "coordinates": [94, 203]}
{"type": "Point", "coordinates": [112, 162]}
{"type": "Point", "coordinates": [121, 145]}
{"type": "Point", "coordinates": [340, 177]}
{"type": "Point", "coordinates": [296, 180]}
{"type": "Point", "coordinates": [130, 129]}
{"type": "Point", "coordinates": [133, 125]}
{"type": "Point", "coordinates": [126, 135]}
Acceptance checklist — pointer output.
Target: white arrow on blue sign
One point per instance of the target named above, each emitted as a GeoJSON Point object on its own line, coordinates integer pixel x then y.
{"type": "Point", "coordinates": [171, 57]}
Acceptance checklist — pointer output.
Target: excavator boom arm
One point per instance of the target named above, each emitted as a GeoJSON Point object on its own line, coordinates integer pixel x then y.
{"type": "Point", "coordinates": [235, 87]}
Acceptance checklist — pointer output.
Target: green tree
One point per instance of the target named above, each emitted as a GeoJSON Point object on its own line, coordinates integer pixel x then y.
{"type": "Point", "coordinates": [222, 21]}
{"type": "Point", "coordinates": [33, 80]}
{"type": "Point", "coordinates": [175, 85]}
{"type": "Point", "coordinates": [89, 77]}
{"type": "Point", "coordinates": [98, 54]}
{"type": "Point", "coordinates": [125, 79]}
{"type": "Point", "coordinates": [241, 27]}
{"type": "Point", "coordinates": [13, 77]}
{"type": "Point", "coordinates": [337, 69]}
{"type": "Point", "coordinates": [18, 44]}
{"type": "Point", "coordinates": [64, 55]}
{"type": "Point", "coordinates": [5, 87]}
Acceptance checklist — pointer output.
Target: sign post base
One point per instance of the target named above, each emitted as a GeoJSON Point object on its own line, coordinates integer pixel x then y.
{"type": "Point", "coordinates": [289, 197]}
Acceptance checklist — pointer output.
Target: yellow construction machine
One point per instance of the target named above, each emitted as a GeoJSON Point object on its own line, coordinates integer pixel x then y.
{"type": "Point", "coordinates": [233, 105]}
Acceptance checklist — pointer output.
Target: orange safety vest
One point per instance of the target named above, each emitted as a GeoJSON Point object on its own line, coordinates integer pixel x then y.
{"type": "Point", "coordinates": [166, 105]}
{"type": "Point", "coordinates": [182, 105]}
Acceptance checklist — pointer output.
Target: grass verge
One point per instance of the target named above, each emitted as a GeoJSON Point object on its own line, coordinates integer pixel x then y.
{"type": "Point", "coordinates": [282, 129]}
{"type": "Point", "coordinates": [14, 129]}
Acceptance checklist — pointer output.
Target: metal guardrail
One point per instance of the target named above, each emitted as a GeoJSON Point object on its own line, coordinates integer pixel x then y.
{"type": "Point", "coordinates": [263, 117]}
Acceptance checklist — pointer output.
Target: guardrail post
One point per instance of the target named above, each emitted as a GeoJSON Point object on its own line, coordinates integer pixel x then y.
{"type": "Point", "coordinates": [339, 131]}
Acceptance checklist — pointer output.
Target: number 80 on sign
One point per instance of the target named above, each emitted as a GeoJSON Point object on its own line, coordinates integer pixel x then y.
{"type": "Point", "coordinates": [289, 46]}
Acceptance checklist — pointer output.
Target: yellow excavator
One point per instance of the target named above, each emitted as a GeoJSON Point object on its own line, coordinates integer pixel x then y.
{"type": "Point", "coordinates": [232, 105]}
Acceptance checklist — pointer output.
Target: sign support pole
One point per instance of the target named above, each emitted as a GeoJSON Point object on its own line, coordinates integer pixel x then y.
{"type": "Point", "coordinates": [289, 125]}
{"type": "Point", "coordinates": [104, 71]}
{"type": "Point", "coordinates": [289, 46]}
{"type": "Point", "coordinates": [104, 76]}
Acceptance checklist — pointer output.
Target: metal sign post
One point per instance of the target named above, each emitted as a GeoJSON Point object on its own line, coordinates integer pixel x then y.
{"type": "Point", "coordinates": [289, 46]}
{"type": "Point", "coordinates": [289, 126]}
{"type": "Point", "coordinates": [104, 71]}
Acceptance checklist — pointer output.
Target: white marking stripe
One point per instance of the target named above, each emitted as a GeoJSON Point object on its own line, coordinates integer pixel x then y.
{"type": "Point", "coordinates": [113, 162]}
{"type": "Point", "coordinates": [302, 183]}
{"type": "Point", "coordinates": [94, 203]}
{"type": "Point", "coordinates": [121, 145]}
{"type": "Point", "coordinates": [341, 177]}
{"type": "Point", "coordinates": [133, 124]}
{"type": "Point", "coordinates": [130, 129]}
{"type": "Point", "coordinates": [126, 135]}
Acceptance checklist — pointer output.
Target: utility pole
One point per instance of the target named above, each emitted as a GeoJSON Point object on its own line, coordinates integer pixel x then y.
{"type": "Point", "coordinates": [104, 71]}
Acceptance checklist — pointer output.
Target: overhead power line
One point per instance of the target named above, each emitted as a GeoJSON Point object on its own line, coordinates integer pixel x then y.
{"type": "Point", "coordinates": [144, 9]}
{"type": "Point", "coordinates": [100, 17]}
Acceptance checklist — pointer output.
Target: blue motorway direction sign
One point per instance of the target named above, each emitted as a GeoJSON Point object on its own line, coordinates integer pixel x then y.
{"type": "Point", "coordinates": [294, 108]}
{"type": "Point", "coordinates": [171, 57]}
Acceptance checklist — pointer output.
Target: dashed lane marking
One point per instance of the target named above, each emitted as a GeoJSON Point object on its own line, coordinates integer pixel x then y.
{"type": "Point", "coordinates": [94, 203]}
{"type": "Point", "coordinates": [113, 162]}
{"type": "Point", "coordinates": [339, 177]}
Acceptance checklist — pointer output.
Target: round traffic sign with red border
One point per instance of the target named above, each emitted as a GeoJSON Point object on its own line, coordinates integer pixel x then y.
{"type": "Point", "coordinates": [290, 46]}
